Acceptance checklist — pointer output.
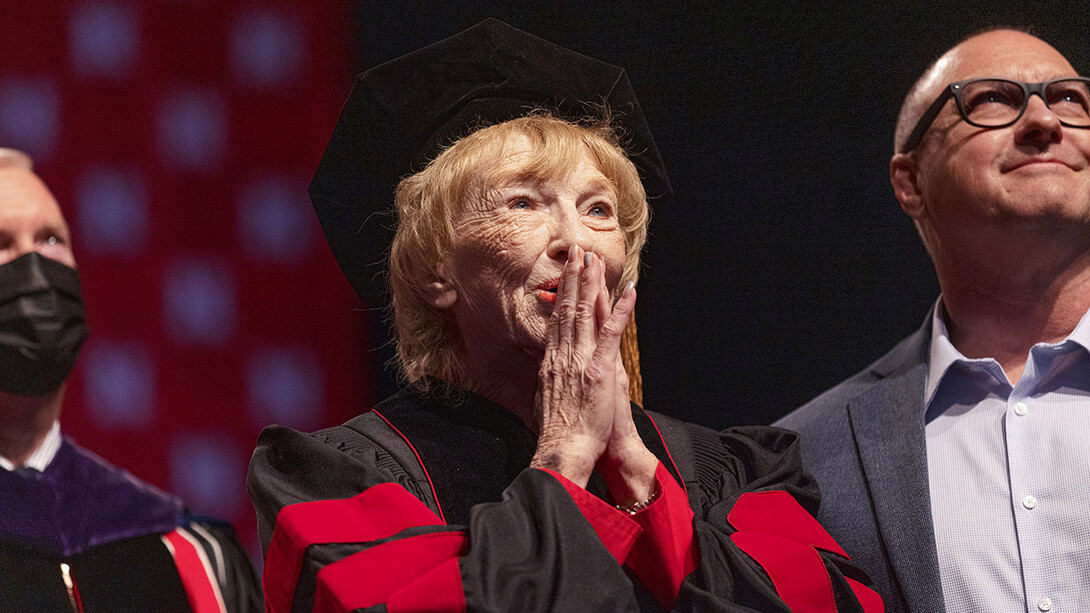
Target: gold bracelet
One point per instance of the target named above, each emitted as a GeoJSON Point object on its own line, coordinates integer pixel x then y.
{"type": "Point", "coordinates": [636, 507]}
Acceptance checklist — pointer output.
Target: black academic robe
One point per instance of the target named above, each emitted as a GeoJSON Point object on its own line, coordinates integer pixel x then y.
{"type": "Point", "coordinates": [87, 537]}
{"type": "Point", "coordinates": [427, 503]}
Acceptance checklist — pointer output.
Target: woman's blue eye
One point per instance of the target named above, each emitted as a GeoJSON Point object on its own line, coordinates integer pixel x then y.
{"type": "Point", "coordinates": [598, 210]}
{"type": "Point", "coordinates": [521, 204]}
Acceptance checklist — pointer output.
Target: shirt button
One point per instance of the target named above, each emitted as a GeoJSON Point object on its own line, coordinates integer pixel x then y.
{"type": "Point", "coordinates": [1021, 409]}
{"type": "Point", "coordinates": [1030, 502]}
{"type": "Point", "coordinates": [1044, 604]}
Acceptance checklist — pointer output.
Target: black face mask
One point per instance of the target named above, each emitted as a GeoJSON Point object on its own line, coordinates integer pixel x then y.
{"type": "Point", "coordinates": [42, 324]}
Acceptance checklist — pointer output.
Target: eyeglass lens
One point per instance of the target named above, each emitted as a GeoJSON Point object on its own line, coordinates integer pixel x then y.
{"type": "Point", "coordinates": [996, 102]}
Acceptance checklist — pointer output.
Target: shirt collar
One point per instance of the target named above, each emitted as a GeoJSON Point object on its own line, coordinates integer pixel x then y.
{"type": "Point", "coordinates": [943, 354]}
{"type": "Point", "coordinates": [1081, 333]}
{"type": "Point", "coordinates": [43, 455]}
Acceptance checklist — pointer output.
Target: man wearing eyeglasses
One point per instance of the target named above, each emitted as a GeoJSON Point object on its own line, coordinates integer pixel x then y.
{"type": "Point", "coordinates": [956, 468]}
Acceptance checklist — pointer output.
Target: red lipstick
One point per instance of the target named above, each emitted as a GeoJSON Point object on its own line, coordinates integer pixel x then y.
{"type": "Point", "coordinates": [547, 290]}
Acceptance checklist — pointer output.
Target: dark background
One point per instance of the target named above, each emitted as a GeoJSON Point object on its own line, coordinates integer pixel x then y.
{"type": "Point", "coordinates": [783, 263]}
{"type": "Point", "coordinates": [179, 138]}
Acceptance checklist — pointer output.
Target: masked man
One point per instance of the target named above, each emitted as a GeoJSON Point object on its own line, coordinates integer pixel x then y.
{"type": "Point", "coordinates": [77, 534]}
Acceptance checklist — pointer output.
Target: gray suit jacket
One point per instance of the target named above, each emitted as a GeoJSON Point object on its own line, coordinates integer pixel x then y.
{"type": "Point", "coordinates": [864, 442]}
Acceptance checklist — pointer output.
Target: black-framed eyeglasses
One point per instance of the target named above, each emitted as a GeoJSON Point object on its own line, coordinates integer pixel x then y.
{"type": "Point", "coordinates": [998, 103]}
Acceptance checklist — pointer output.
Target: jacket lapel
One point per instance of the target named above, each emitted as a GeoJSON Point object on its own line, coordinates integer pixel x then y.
{"type": "Point", "coordinates": [888, 425]}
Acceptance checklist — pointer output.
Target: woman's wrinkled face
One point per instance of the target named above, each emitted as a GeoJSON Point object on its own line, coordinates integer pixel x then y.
{"type": "Point", "coordinates": [512, 234]}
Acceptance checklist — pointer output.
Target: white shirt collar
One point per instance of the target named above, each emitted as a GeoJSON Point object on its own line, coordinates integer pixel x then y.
{"type": "Point", "coordinates": [43, 455]}
{"type": "Point", "coordinates": [943, 354]}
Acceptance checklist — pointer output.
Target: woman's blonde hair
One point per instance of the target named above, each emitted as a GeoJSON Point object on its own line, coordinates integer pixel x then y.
{"type": "Point", "coordinates": [426, 202]}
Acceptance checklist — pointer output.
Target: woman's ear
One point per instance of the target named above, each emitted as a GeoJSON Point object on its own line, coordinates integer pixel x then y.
{"type": "Point", "coordinates": [439, 292]}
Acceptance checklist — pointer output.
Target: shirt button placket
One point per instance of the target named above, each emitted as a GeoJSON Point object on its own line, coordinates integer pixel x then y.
{"type": "Point", "coordinates": [1019, 430]}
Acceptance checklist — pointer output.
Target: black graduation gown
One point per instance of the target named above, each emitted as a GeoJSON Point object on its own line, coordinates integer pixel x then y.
{"type": "Point", "coordinates": [351, 505]}
{"type": "Point", "coordinates": [85, 536]}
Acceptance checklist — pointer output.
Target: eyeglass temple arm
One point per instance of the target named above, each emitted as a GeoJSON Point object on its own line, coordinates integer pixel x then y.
{"type": "Point", "coordinates": [925, 121]}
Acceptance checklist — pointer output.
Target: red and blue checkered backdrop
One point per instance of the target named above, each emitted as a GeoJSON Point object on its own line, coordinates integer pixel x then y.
{"type": "Point", "coordinates": [179, 138]}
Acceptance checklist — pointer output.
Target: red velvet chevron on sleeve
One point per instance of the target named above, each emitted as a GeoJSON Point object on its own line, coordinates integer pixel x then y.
{"type": "Point", "coordinates": [379, 512]}
{"type": "Point", "coordinates": [777, 513]}
{"type": "Point", "coordinates": [784, 539]}
{"type": "Point", "coordinates": [871, 601]}
{"type": "Point", "coordinates": [418, 573]}
{"type": "Point", "coordinates": [433, 591]}
{"type": "Point", "coordinates": [796, 571]}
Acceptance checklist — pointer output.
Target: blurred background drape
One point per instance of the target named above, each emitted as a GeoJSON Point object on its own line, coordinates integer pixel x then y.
{"type": "Point", "coordinates": [179, 136]}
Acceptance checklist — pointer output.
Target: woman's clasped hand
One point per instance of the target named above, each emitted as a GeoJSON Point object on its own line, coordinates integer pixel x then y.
{"type": "Point", "coordinates": [582, 409]}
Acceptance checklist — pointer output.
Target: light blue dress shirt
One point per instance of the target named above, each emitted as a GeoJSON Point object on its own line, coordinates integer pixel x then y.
{"type": "Point", "coordinates": [1009, 468]}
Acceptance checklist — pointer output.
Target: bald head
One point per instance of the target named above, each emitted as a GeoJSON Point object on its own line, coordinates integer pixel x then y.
{"type": "Point", "coordinates": [997, 53]}
{"type": "Point", "coordinates": [30, 218]}
{"type": "Point", "coordinates": [13, 158]}
{"type": "Point", "coordinates": [972, 190]}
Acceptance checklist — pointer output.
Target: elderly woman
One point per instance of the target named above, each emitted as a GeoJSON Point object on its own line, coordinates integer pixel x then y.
{"type": "Point", "coordinates": [511, 473]}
